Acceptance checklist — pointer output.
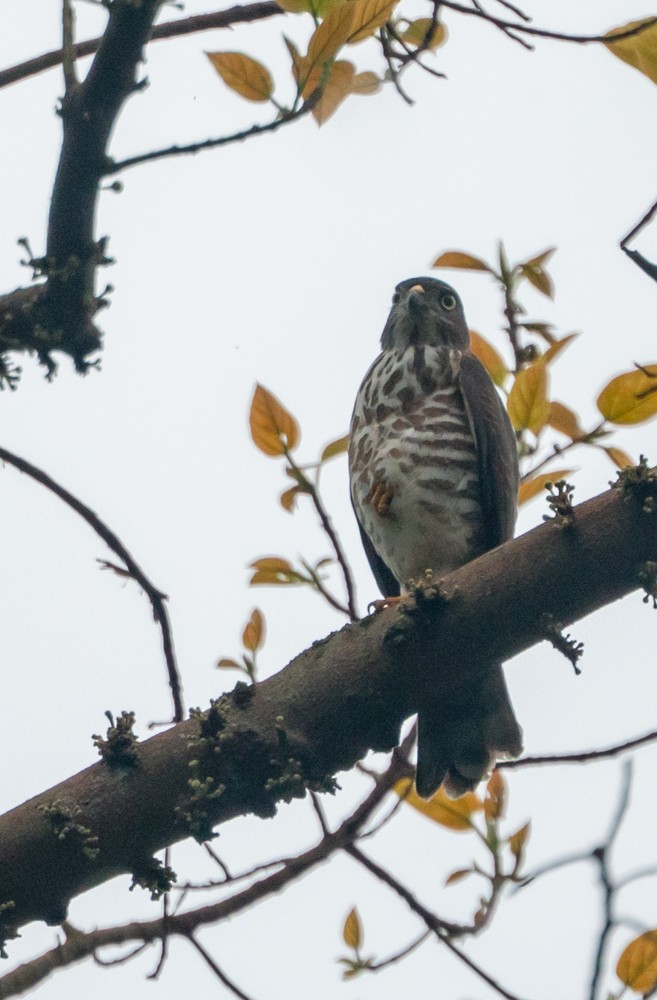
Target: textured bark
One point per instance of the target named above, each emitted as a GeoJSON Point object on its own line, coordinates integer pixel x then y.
{"type": "Point", "coordinates": [345, 695]}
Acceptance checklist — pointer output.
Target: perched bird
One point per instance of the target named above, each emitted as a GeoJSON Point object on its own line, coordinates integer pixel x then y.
{"type": "Point", "coordinates": [434, 480]}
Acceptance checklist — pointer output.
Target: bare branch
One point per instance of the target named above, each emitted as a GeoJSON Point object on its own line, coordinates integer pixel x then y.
{"type": "Point", "coordinates": [221, 976]}
{"type": "Point", "coordinates": [286, 118]}
{"type": "Point", "coordinates": [583, 757]}
{"type": "Point", "coordinates": [238, 14]}
{"type": "Point", "coordinates": [155, 596]}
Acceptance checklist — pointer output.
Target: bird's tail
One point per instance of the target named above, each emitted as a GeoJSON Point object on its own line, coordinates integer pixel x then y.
{"type": "Point", "coordinates": [459, 742]}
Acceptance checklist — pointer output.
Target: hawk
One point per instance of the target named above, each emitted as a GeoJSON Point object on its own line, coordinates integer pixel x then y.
{"type": "Point", "coordinates": [434, 480]}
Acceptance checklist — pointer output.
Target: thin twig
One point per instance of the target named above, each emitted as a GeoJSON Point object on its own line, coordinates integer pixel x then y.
{"type": "Point", "coordinates": [235, 990]}
{"type": "Point", "coordinates": [226, 140]}
{"type": "Point", "coordinates": [558, 36]}
{"type": "Point", "coordinates": [639, 226]}
{"type": "Point", "coordinates": [398, 956]}
{"type": "Point", "coordinates": [164, 942]}
{"type": "Point", "coordinates": [155, 596]}
{"type": "Point", "coordinates": [601, 855]}
{"type": "Point", "coordinates": [337, 548]}
{"type": "Point", "coordinates": [581, 758]}
{"type": "Point", "coordinates": [170, 29]}
{"type": "Point", "coordinates": [441, 928]}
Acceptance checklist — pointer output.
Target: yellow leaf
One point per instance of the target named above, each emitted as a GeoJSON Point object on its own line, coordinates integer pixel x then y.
{"type": "Point", "coordinates": [295, 55]}
{"type": "Point", "coordinates": [271, 564]}
{"type": "Point", "coordinates": [557, 346]}
{"type": "Point", "coordinates": [288, 498]}
{"type": "Point", "coordinates": [333, 448]}
{"type": "Point", "coordinates": [273, 429]}
{"type": "Point", "coordinates": [352, 932]}
{"type": "Point", "coordinates": [518, 840]}
{"type": "Point", "coordinates": [368, 16]}
{"type": "Point", "coordinates": [630, 398]}
{"type": "Point", "coordinates": [336, 88]}
{"type": "Point", "coordinates": [637, 966]}
{"type": "Point", "coordinates": [532, 487]}
{"type": "Point", "coordinates": [366, 83]}
{"type": "Point", "coordinates": [331, 35]}
{"type": "Point", "coordinates": [420, 33]}
{"type": "Point", "coordinates": [490, 359]}
{"type": "Point", "coordinates": [565, 420]}
{"type": "Point", "coordinates": [495, 796]}
{"type": "Point", "coordinates": [253, 636]}
{"type": "Point", "coordinates": [457, 876]}
{"type": "Point", "coordinates": [456, 258]}
{"type": "Point", "coordinates": [619, 457]}
{"type": "Point", "coordinates": [528, 403]}
{"type": "Point", "coordinates": [639, 50]}
{"type": "Point", "coordinates": [452, 813]}
{"type": "Point", "coordinates": [247, 76]}
{"type": "Point", "coordinates": [228, 664]}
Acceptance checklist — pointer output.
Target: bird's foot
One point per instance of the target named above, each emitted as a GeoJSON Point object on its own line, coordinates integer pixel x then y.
{"type": "Point", "coordinates": [384, 602]}
{"type": "Point", "coordinates": [381, 498]}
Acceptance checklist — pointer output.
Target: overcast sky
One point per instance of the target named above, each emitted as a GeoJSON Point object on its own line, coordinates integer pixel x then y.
{"type": "Point", "coordinates": [274, 261]}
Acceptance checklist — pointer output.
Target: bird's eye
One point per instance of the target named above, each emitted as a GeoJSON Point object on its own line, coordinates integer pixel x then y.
{"type": "Point", "coordinates": [448, 302]}
{"type": "Point", "coordinates": [395, 299]}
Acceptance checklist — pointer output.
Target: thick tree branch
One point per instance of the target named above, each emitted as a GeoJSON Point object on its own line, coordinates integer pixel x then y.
{"type": "Point", "coordinates": [342, 697]}
{"type": "Point", "coordinates": [59, 313]}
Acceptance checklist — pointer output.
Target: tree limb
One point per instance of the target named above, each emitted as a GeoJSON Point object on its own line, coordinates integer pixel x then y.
{"type": "Point", "coordinates": [345, 695]}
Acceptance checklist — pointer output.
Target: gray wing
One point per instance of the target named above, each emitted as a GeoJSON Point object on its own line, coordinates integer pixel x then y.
{"type": "Point", "coordinates": [496, 450]}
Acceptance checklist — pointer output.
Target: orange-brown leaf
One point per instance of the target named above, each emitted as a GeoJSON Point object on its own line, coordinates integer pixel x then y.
{"type": "Point", "coordinates": [248, 77]}
{"type": "Point", "coordinates": [273, 428]}
{"type": "Point", "coordinates": [495, 799]}
{"type": "Point", "coordinates": [637, 966]}
{"type": "Point", "coordinates": [225, 663]}
{"type": "Point", "coordinates": [557, 346]}
{"type": "Point", "coordinates": [288, 498]}
{"type": "Point", "coordinates": [336, 89]}
{"type": "Point", "coordinates": [352, 932]}
{"type": "Point", "coordinates": [253, 636]}
{"type": "Point", "coordinates": [452, 813]}
{"type": "Point", "coordinates": [565, 420]}
{"type": "Point", "coordinates": [331, 35]}
{"type": "Point", "coordinates": [518, 840]}
{"type": "Point", "coordinates": [368, 16]}
{"type": "Point", "coordinates": [458, 875]}
{"type": "Point", "coordinates": [533, 487]}
{"type": "Point", "coordinates": [630, 398]}
{"type": "Point", "coordinates": [366, 83]}
{"type": "Point", "coordinates": [528, 403]}
{"type": "Point", "coordinates": [489, 357]}
{"type": "Point", "coordinates": [465, 261]}
{"type": "Point", "coordinates": [619, 457]}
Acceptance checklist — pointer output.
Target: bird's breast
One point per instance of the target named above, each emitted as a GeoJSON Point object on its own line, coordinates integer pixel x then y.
{"type": "Point", "coordinates": [410, 431]}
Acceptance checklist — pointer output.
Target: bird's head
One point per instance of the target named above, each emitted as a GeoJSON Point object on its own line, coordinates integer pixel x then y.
{"type": "Point", "coordinates": [425, 311]}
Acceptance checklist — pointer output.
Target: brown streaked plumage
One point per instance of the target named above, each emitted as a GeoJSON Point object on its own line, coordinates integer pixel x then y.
{"type": "Point", "coordinates": [434, 481]}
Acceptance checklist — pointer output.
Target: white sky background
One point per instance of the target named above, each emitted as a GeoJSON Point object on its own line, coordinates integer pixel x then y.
{"type": "Point", "coordinates": [275, 260]}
